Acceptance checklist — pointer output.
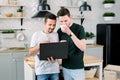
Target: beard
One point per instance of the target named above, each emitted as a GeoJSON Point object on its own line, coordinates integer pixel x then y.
{"type": "Point", "coordinates": [50, 30]}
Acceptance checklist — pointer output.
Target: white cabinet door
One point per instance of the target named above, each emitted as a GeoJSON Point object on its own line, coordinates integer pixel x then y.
{"type": "Point", "coordinates": [17, 69]}
{"type": "Point", "coordinates": [12, 65]}
{"type": "Point", "coordinates": [5, 66]}
{"type": "Point", "coordinates": [18, 65]}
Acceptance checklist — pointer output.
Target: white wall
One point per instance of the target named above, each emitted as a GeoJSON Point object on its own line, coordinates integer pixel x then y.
{"type": "Point", "coordinates": [31, 25]}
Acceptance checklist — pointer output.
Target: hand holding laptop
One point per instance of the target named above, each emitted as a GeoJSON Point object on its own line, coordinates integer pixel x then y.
{"type": "Point", "coordinates": [63, 41]}
{"type": "Point", "coordinates": [51, 59]}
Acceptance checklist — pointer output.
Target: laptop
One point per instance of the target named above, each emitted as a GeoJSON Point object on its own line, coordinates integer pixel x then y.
{"type": "Point", "coordinates": [57, 50]}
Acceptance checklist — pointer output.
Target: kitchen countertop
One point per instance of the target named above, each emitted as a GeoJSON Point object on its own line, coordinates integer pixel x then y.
{"type": "Point", "coordinates": [87, 59]}
{"type": "Point", "coordinates": [93, 45]}
{"type": "Point", "coordinates": [14, 49]}
{"type": "Point", "coordinates": [22, 49]}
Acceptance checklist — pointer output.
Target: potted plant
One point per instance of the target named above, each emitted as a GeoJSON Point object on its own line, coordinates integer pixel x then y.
{"type": "Point", "coordinates": [108, 16]}
{"type": "Point", "coordinates": [108, 3]}
{"type": "Point", "coordinates": [20, 12]}
{"type": "Point", "coordinates": [8, 33]}
{"type": "Point", "coordinates": [89, 37]}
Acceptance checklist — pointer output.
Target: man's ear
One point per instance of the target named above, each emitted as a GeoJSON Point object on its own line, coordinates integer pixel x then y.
{"type": "Point", "coordinates": [71, 16]}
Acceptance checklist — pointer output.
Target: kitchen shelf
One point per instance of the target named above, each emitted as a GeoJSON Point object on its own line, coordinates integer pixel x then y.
{"type": "Point", "coordinates": [6, 5]}
{"type": "Point", "coordinates": [13, 29]}
{"type": "Point", "coordinates": [14, 17]}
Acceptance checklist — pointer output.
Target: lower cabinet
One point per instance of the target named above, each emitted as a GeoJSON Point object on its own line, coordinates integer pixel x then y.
{"type": "Point", "coordinates": [5, 66]}
{"type": "Point", "coordinates": [12, 66]}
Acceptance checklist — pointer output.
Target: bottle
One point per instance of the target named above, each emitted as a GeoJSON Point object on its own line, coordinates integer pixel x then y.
{"type": "Point", "coordinates": [15, 2]}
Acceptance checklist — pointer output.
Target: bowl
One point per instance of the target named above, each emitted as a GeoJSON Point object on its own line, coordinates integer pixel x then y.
{"type": "Point", "coordinates": [8, 14]}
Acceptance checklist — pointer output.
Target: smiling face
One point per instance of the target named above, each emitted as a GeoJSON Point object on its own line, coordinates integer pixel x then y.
{"type": "Point", "coordinates": [64, 17]}
{"type": "Point", "coordinates": [50, 25]}
{"type": "Point", "coordinates": [65, 20]}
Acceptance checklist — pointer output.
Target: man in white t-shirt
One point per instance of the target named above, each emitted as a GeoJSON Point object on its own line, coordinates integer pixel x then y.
{"type": "Point", "coordinates": [45, 69]}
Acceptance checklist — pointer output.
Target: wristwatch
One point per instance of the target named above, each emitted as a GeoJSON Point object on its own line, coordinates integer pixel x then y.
{"type": "Point", "coordinates": [71, 34]}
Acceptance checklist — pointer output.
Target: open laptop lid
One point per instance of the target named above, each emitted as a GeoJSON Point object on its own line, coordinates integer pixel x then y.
{"type": "Point", "coordinates": [57, 50]}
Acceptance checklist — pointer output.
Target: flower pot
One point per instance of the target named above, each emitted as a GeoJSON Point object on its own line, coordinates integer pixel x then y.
{"type": "Point", "coordinates": [8, 35]}
{"type": "Point", "coordinates": [19, 14]}
{"type": "Point", "coordinates": [110, 18]}
{"type": "Point", "coordinates": [90, 41]}
{"type": "Point", "coordinates": [108, 5]}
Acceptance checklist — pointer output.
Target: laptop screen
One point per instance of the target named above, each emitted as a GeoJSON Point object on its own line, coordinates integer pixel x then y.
{"type": "Point", "coordinates": [57, 50]}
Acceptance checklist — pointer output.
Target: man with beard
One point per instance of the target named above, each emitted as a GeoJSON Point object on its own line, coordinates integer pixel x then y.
{"type": "Point", "coordinates": [45, 69]}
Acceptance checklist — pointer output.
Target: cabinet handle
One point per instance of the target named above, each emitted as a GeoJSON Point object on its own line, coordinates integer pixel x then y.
{"type": "Point", "coordinates": [25, 55]}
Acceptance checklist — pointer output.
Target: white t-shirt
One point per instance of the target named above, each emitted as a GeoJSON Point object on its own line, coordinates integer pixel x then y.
{"type": "Point", "coordinates": [42, 66]}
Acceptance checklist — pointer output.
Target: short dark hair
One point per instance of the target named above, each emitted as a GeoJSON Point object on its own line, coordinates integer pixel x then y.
{"type": "Point", "coordinates": [63, 11]}
{"type": "Point", "coordinates": [50, 15]}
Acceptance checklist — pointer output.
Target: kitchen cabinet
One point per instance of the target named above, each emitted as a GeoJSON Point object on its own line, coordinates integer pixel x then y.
{"type": "Point", "coordinates": [12, 65]}
{"type": "Point", "coordinates": [2, 16]}
{"type": "Point", "coordinates": [95, 50]}
{"type": "Point", "coordinates": [5, 66]}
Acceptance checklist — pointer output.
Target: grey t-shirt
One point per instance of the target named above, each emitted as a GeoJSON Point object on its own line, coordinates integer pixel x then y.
{"type": "Point", "coordinates": [42, 66]}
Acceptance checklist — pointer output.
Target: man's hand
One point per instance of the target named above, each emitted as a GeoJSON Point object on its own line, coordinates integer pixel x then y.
{"type": "Point", "coordinates": [66, 29]}
{"type": "Point", "coordinates": [51, 59]}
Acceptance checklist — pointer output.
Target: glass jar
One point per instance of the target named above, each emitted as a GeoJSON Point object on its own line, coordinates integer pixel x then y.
{"type": "Point", "coordinates": [14, 2]}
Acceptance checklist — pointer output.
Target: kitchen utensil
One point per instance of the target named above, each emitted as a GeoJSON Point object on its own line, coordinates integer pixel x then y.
{"type": "Point", "coordinates": [20, 36]}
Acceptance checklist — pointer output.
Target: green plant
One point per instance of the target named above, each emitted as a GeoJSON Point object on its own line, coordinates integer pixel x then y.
{"type": "Point", "coordinates": [89, 35]}
{"type": "Point", "coordinates": [108, 1]}
{"type": "Point", "coordinates": [7, 31]}
{"type": "Point", "coordinates": [108, 14]}
{"type": "Point", "coordinates": [20, 10]}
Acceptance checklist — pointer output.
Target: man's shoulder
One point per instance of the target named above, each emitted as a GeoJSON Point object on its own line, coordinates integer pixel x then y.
{"type": "Point", "coordinates": [58, 30]}
{"type": "Point", "coordinates": [77, 26]}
